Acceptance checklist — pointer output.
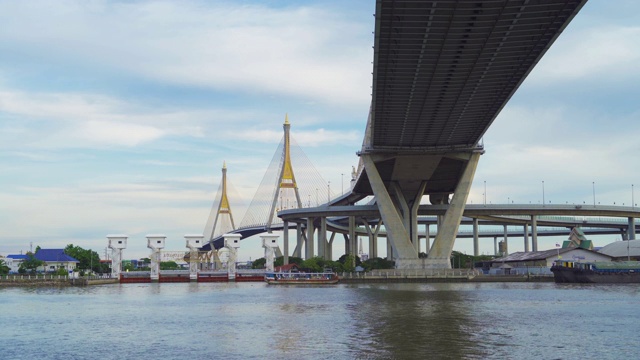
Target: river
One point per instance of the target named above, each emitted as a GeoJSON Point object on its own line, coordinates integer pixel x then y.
{"type": "Point", "coordinates": [346, 321]}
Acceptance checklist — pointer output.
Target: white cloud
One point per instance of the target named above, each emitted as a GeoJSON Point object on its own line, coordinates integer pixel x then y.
{"type": "Point", "coordinates": [300, 51]}
{"type": "Point", "coordinates": [602, 52]}
{"type": "Point", "coordinates": [116, 133]}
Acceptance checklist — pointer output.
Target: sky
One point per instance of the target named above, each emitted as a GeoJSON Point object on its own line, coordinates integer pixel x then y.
{"type": "Point", "coordinates": [116, 116]}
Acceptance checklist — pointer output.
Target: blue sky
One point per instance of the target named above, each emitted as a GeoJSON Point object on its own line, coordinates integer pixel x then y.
{"type": "Point", "coordinates": [116, 116]}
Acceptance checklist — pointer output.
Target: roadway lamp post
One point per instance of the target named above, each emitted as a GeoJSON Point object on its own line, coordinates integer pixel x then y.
{"type": "Point", "coordinates": [633, 203]}
{"type": "Point", "coordinates": [484, 200]}
{"type": "Point", "coordinates": [329, 191]}
{"type": "Point", "coordinates": [593, 184]}
{"type": "Point", "coordinates": [317, 203]}
{"type": "Point", "coordinates": [542, 192]}
{"type": "Point", "coordinates": [342, 181]}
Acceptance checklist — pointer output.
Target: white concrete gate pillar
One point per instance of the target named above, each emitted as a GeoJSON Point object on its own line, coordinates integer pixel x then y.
{"type": "Point", "coordinates": [232, 243]}
{"type": "Point", "coordinates": [194, 243]}
{"type": "Point", "coordinates": [117, 243]}
{"type": "Point", "coordinates": [155, 243]}
{"type": "Point", "coordinates": [269, 243]}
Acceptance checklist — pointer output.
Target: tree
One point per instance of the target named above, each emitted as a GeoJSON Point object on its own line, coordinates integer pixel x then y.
{"type": "Point", "coordinates": [343, 260]}
{"type": "Point", "coordinates": [378, 263]}
{"type": "Point", "coordinates": [314, 264]}
{"type": "Point", "coordinates": [4, 269]}
{"type": "Point", "coordinates": [348, 262]}
{"type": "Point", "coordinates": [169, 265]}
{"type": "Point", "coordinates": [259, 263]}
{"type": "Point", "coordinates": [88, 259]}
{"type": "Point", "coordinates": [30, 264]}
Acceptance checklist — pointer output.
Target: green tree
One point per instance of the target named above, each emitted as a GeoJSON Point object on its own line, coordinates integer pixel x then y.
{"type": "Point", "coordinates": [378, 263]}
{"type": "Point", "coordinates": [259, 263]}
{"type": "Point", "coordinates": [88, 259]}
{"type": "Point", "coordinates": [348, 262]}
{"type": "Point", "coordinates": [61, 271]}
{"type": "Point", "coordinates": [292, 260]}
{"type": "Point", "coordinates": [128, 266]}
{"type": "Point", "coordinates": [314, 264]}
{"type": "Point", "coordinates": [169, 265]}
{"type": "Point", "coordinates": [4, 269]}
{"type": "Point", "coordinates": [30, 264]}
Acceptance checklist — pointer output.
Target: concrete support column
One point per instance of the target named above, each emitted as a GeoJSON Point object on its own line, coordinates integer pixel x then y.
{"type": "Point", "coordinates": [193, 243]}
{"type": "Point", "coordinates": [232, 243]}
{"type": "Point", "coordinates": [297, 252]}
{"type": "Point", "coordinates": [427, 238]}
{"type": "Point", "coordinates": [371, 241]}
{"type": "Point", "coordinates": [117, 243]}
{"type": "Point", "coordinates": [269, 243]}
{"type": "Point", "coordinates": [310, 238]}
{"type": "Point", "coordinates": [389, 250]}
{"type": "Point", "coordinates": [353, 240]}
{"type": "Point", "coordinates": [506, 240]}
{"type": "Point", "coordinates": [397, 234]}
{"type": "Point", "coordinates": [632, 229]}
{"type": "Point", "coordinates": [534, 233]}
{"type": "Point", "coordinates": [495, 245]}
{"type": "Point", "coordinates": [155, 243]}
{"type": "Point", "coordinates": [330, 246]}
{"type": "Point", "coordinates": [440, 253]}
{"type": "Point", "coordinates": [526, 237]}
{"type": "Point", "coordinates": [285, 239]}
{"type": "Point", "coordinates": [476, 243]}
{"type": "Point", "coordinates": [322, 238]}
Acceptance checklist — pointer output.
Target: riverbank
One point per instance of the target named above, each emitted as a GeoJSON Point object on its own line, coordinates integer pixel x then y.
{"type": "Point", "coordinates": [51, 281]}
{"type": "Point", "coordinates": [436, 276]}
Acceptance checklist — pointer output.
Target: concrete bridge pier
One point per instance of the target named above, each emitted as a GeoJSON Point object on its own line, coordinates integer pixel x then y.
{"type": "Point", "coordinates": [351, 244]}
{"type": "Point", "coordinates": [495, 245]}
{"type": "Point", "coordinates": [526, 237]}
{"type": "Point", "coordinates": [427, 237]}
{"type": "Point", "coordinates": [285, 240]}
{"type": "Point", "coordinates": [322, 239]}
{"type": "Point", "coordinates": [329, 253]}
{"type": "Point", "coordinates": [439, 256]}
{"type": "Point", "coordinates": [398, 235]}
{"type": "Point", "coordinates": [309, 241]}
{"type": "Point", "coordinates": [632, 229]}
{"type": "Point", "coordinates": [476, 242]}
{"type": "Point", "coordinates": [297, 252]}
{"type": "Point", "coordinates": [534, 233]}
{"type": "Point", "coordinates": [506, 240]}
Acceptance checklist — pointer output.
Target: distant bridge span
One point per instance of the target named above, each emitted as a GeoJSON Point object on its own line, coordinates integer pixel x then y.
{"type": "Point", "coordinates": [547, 220]}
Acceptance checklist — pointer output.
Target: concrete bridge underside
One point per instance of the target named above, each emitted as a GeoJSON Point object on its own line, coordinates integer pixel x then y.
{"type": "Point", "coordinates": [442, 72]}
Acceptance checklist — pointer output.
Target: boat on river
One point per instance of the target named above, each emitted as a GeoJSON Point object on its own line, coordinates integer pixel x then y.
{"type": "Point", "coordinates": [614, 272]}
{"type": "Point", "coordinates": [300, 278]}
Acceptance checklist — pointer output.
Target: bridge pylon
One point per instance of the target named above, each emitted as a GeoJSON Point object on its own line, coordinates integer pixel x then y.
{"type": "Point", "coordinates": [286, 180]}
{"type": "Point", "coordinates": [221, 217]}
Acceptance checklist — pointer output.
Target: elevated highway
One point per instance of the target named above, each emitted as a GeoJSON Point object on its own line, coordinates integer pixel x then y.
{"type": "Point", "coordinates": [442, 71]}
